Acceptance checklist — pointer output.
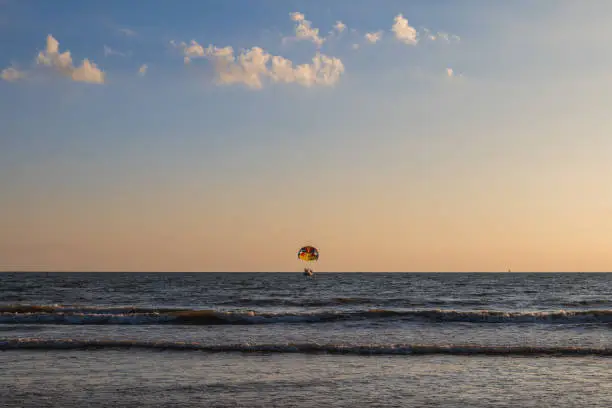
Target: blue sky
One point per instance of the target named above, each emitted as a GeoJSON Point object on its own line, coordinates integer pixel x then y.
{"type": "Point", "coordinates": [203, 165]}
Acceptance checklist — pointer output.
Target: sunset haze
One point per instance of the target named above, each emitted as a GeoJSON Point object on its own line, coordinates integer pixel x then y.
{"type": "Point", "coordinates": [484, 144]}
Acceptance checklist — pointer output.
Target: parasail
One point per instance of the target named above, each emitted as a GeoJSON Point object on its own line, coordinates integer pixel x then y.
{"type": "Point", "coordinates": [308, 253]}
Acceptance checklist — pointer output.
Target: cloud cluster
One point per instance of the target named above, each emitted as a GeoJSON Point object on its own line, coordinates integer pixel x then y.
{"type": "Point", "coordinates": [400, 28]}
{"type": "Point", "coordinates": [251, 67]}
{"type": "Point", "coordinates": [406, 34]}
{"type": "Point", "coordinates": [62, 63]}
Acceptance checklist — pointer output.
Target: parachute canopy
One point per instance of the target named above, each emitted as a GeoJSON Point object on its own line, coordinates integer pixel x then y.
{"type": "Point", "coordinates": [308, 253]}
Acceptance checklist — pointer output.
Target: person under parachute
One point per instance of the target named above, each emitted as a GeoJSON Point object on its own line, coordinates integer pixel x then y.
{"type": "Point", "coordinates": [308, 254]}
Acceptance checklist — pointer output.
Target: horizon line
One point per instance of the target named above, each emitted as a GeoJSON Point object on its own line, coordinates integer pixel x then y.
{"type": "Point", "coordinates": [297, 272]}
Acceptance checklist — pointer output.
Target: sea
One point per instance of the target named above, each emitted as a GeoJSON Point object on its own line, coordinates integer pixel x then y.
{"type": "Point", "coordinates": [287, 340]}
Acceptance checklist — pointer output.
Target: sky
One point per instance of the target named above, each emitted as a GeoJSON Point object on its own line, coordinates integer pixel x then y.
{"type": "Point", "coordinates": [223, 135]}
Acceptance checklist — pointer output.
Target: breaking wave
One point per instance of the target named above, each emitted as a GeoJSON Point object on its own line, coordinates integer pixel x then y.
{"type": "Point", "coordinates": [351, 349]}
{"type": "Point", "coordinates": [79, 315]}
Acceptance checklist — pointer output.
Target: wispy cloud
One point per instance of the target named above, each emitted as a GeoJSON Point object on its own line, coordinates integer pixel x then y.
{"type": "Point", "coordinates": [143, 69]}
{"type": "Point", "coordinates": [62, 63]}
{"type": "Point", "coordinates": [335, 32]}
{"type": "Point", "coordinates": [12, 74]}
{"type": "Point", "coordinates": [127, 32]}
{"type": "Point", "coordinates": [451, 73]}
{"type": "Point", "coordinates": [440, 36]}
{"type": "Point", "coordinates": [109, 51]}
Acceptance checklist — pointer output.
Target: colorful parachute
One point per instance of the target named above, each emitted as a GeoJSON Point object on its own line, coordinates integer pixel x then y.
{"type": "Point", "coordinates": [308, 253]}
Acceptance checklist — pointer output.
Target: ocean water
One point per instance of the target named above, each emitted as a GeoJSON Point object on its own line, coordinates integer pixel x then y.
{"type": "Point", "coordinates": [285, 340]}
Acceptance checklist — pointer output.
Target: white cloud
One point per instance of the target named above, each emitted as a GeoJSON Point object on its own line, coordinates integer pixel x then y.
{"type": "Point", "coordinates": [11, 74]}
{"type": "Point", "coordinates": [248, 68]}
{"type": "Point", "coordinates": [324, 71]}
{"type": "Point", "coordinates": [355, 46]}
{"type": "Point", "coordinates": [87, 72]}
{"type": "Point", "coordinates": [251, 67]}
{"type": "Point", "coordinates": [225, 52]}
{"type": "Point", "coordinates": [304, 30]}
{"type": "Point", "coordinates": [403, 31]}
{"type": "Point", "coordinates": [193, 50]}
{"type": "Point", "coordinates": [297, 16]}
{"type": "Point", "coordinates": [143, 69]}
{"type": "Point", "coordinates": [340, 26]}
{"type": "Point", "coordinates": [373, 38]}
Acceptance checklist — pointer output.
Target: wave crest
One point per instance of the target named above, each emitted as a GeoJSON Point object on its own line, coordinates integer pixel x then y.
{"type": "Point", "coordinates": [15, 314]}
{"type": "Point", "coordinates": [370, 349]}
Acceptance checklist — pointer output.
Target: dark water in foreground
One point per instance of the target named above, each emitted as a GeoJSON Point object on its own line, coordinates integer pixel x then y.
{"type": "Point", "coordinates": [340, 340]}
